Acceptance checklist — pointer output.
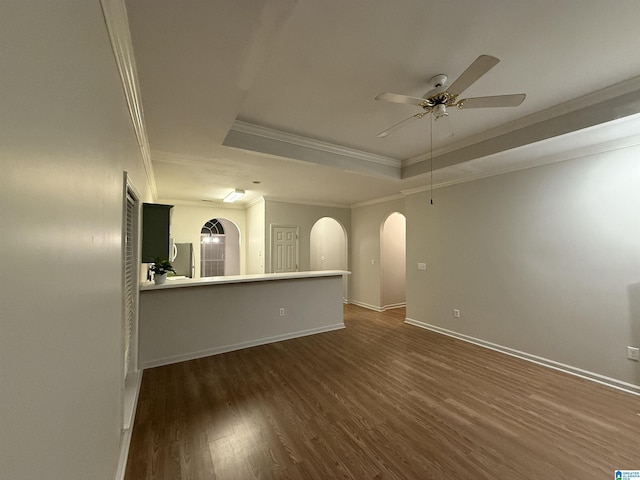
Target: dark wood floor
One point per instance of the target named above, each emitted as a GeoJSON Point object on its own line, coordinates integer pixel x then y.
{"type": "Point", "coordinates": [378, 400]}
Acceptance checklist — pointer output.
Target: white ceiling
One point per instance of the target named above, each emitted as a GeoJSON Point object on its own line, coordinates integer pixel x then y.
{"type": "Point", "coordinates": [282, 91]}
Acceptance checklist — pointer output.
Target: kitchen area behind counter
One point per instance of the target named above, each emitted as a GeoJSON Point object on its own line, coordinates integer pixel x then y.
{"type": "Point", "coordinates": [192, 318]}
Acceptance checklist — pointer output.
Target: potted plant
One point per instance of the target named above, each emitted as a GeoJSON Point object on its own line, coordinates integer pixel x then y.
{"type": "Point", "coordinates": [160, 268]}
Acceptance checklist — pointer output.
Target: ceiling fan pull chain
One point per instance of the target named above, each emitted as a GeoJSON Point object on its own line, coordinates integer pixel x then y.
{"type": "Point", "coordinates": [431, 158]}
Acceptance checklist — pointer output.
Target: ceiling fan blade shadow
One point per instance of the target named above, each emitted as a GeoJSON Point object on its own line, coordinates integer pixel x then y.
{"type": "Point", "coordinates": [496, 101]}
{"type": "Point", "coordinates": [398, 98]}
{"type": "Point", "coordinates": [477, 69]}
{"type": "Point", "coordinates": [401, 124]}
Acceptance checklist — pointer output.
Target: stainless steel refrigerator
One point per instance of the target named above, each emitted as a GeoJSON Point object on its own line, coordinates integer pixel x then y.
{"type": "Point", "coordinates": [183, 261]}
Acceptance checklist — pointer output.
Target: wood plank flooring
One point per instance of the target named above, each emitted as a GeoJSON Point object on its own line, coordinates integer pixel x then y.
{"type": "Point", "coordinates": [378, 400]}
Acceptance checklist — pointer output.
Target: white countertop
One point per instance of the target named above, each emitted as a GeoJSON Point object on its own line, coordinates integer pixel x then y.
{"type": "Point", "coordinates": [259, 277]}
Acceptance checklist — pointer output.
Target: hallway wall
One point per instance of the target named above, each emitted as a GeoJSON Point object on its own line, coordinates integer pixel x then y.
{"type": "Point", "coordinates": [365, 252]}
{"type": "Point", "coordinates": [545, 261]}
{"type": "Point", "coordinates": [66, 139]}
{"type": "Point", "coordinates": [393, 255]}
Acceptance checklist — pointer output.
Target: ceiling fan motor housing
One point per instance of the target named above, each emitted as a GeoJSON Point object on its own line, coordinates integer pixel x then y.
{"type": "Point", "coordinates": [444, 99]}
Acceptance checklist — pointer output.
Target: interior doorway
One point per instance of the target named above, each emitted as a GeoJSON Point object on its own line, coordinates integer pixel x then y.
{"type": "Point", "coordinates": [284, 248]}
{"type": "Point", "coordinates": [393, 245]}
{"type": "Point", "coordinates": [328, 247]}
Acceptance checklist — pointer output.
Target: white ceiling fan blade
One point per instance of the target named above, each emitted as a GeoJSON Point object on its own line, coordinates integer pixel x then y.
{"type": "Point", "coordinates": [497, 101]}
{"type": "Point", "coordinates": [477, 69]}
{"type": "Point", "coordinates": [397, 98]}
{"type": "Point", "coordinates": [401, 124]}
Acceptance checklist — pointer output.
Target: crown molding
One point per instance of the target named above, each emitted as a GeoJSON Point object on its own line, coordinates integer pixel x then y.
{"type": "Point", "coordinates": [613, 106]}
{"type": "Point", "coordinates": [306, 142]}
{"type": "Point", "coordinates": [294, 201]}
{"type": "Point", "coordinates": [530, 162]}
{"type": "Point", "coordinates": [217, 204]}
{"type": "Point", "coordinates": [255, 201]}
{"type": "Point", "coordinates": [376, 201]}
{"type": "Point", "coordinates": [117, 22]}
{"type": "Point", "coordinates": [585, 101]}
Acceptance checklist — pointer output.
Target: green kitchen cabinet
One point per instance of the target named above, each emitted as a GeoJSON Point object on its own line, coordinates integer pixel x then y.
{"type": "Point", "coordinates": [156, 229]}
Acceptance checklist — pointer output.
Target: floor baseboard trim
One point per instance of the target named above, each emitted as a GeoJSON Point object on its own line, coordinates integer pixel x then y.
{"type": "Point", "coordinates": [366, 305]}
{"type": "Point", "coordinates": [239, 346]}
{"type": "Point", "coordinates": [135, 381]}
{"type": "Point", "coordinates": [377, 309]}
{"type": "Point", "coordinates": [594, 377]}
{"type": "Point", "coordinates": [393, 306]}
{"type": "Point", "coordinates": [125, 442]}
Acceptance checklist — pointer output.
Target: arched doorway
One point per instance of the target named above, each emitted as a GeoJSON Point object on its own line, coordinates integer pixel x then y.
{"type": "Point", "coordinates": [328, 247]}
{"type": "Point", "coordinates": [219, 248]}
{"type": "Point", "coordinates": [393, 261]}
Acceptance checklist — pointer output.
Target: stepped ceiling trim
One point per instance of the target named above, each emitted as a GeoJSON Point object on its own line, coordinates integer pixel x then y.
{"type": "Point", "coordinates": [115, 15]}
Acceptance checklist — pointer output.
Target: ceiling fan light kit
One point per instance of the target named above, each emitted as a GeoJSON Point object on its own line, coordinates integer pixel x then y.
{"type": "Point", "coordinates": [440, 110]}
{"type": "Point", "coordinates": [441, 97]}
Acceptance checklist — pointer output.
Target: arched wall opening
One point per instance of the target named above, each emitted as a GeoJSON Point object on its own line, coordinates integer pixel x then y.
{"type": "Point", "coordinates": [393, 246]}
{"type": "Point", "coordinates": [328, 247]}
{"type": "Point", "coordinates": [219, 248]}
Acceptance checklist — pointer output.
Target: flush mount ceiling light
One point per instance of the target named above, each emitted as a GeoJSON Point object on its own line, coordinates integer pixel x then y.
{"type": "Point", "coordinates": [233, 196]}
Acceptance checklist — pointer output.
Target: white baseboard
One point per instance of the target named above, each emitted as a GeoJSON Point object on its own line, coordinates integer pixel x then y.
{"type": "Point", "coordinates": [239, 346]}
{"type": "Point", "coordinates": [375, 308]}
{"type": "Point", "coordinates": [594, 377]}
{"type": "Point", "coordinates": [366, 305]}
{"type": "Point", "coordinates": [394, 305]}
{"type": "Point", "coordinates": [132, 390]}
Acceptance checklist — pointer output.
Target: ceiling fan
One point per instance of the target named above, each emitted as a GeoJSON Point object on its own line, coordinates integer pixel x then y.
{"type": "Point", "coordinates": [443, 96]}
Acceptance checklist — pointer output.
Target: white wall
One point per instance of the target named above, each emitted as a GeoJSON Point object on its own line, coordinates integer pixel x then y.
{"type": "Point", "coordinates": [303, 216]}
{"type": "Point", "coordinates": [365, 253]}
{"type": "Point", "coordinates": [256, 241]}
{"type": "Point", "coordinates": [328, 245]}
{"type": "Point", "coordinates": [545, 261]}
{"type": "Point", "coordinates": [393, 260]}
{"type": "Point", "coordinates": [232, 247]}
{"type": "Point", "coordinates": [187, 222]}
{"type": "Point", "coordinates": [65, 139]}
{"type": "Point", "coordinates": [328, 249]}
{"type": "Point", "coordinates": [183, 323]}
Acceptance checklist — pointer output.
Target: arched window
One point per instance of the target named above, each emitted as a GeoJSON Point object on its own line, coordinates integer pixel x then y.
{"type": "Point", "coordinates": [212, 247]}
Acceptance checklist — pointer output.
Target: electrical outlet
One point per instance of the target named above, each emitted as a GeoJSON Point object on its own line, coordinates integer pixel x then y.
{"type": "Point", "coordinates": [282, 312]}
{"type": "Point", "coordinates": [456, 313]}
{"type": "Point", "coordinates": [422, 266]}
{"type": "Point", "coordinates": [633, 353]}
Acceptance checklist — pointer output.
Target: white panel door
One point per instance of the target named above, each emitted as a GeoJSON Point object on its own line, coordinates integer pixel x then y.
{"type": "Point", "coordinates": [284, 248]}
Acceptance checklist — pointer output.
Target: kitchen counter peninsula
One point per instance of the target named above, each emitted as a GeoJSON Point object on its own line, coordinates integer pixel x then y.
{"type": "Point", "coordinates": [192, 318]}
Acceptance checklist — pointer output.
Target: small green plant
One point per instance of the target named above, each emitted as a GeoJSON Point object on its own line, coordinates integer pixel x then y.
{"type": "Point", "coordinates": [160, 267]}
